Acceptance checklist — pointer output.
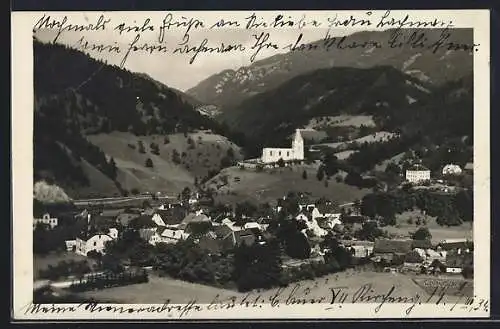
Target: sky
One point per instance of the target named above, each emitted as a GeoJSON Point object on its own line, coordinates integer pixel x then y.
{"type": "Point", "coordinates": [175, 70]}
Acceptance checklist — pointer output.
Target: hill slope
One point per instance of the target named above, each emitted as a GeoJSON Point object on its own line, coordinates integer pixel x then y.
{"type": "Point", "coordinates": [379, 91]}
{"type": "Point", "coordinates": [229, 87]}
{"type": "Point", "coordinates": [80, 106]}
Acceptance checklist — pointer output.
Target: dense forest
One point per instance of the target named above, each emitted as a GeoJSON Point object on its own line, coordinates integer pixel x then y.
{"type": "Point", "coordinates": [76, 95]}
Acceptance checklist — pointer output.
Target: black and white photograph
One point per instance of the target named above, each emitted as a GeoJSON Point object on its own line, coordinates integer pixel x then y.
{"type": "Point", "coordinates": [249, 164]}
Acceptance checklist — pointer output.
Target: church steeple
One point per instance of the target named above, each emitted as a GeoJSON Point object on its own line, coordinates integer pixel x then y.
{"type": "Point", "coordinates": [298, 145]}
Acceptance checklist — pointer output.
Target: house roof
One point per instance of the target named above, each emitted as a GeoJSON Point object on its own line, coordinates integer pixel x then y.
{"type": "Point", "coordinates": [197, 228]}
{"type": "Point", "coordinates": [418, 167]}
{"type": "Point", "coordinates": [111, 212]}
{"type": "Point", "coordinates": [145, 221]}
{"type": "Point", "coordinates": [192, 217]}
{"type": "Point", "coordinates": [126, 218]}
{"type": "Point", "coordinates": [328, 208]}
{"type": "Point", "coordinates": [392, 246]}
{"type": "Point", "coordinates": [422, 244]}
{"type": "Point", "coordinates": [454, 245]}
{"type": "Point", "coordinates": [172, 216]}
{"type": "Point", "coordinates": [222, 230]}
{"type": "Point", "coordinates": [244, 236]}
{"type": "Point", "coordinates": [453, 259]}
{"type": "Point", "coordinates": [209, 243]}
{"type": "Point", "coordinates": [469, 166]}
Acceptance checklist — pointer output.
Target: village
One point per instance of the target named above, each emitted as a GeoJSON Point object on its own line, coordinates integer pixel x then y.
{"type": "Point", "coordinates": [310, 233]}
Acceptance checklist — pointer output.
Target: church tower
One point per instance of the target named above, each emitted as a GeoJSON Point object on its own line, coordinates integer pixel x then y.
{"type": "Point", "coordinates": [298, 146]}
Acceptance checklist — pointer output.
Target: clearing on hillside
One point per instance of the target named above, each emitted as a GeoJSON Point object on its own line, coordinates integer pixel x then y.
{"type": "Point", "coordinates": [176, 159]}
{"type": "Point", "coordinates": [233, 185]}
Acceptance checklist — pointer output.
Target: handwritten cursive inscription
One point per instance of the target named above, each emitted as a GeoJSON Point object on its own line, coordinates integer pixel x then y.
{"type": "Point", "coordinates": [148, 37]}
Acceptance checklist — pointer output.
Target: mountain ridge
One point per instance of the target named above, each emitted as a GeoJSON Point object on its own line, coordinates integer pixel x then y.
{"type": "Point", "coordinates": [228, 88]}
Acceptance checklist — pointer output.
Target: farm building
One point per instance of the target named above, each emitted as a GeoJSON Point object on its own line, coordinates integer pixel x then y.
{"type": "Point", "coordinates": [46, 219]}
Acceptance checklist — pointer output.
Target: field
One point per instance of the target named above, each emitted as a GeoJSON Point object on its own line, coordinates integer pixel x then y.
{"type": "Point", "coordinates": [158, 289]}
{"type": "Point", "coordinates": [437, 231]}
{"type": "Point", "coordinates": [235, 185]}
{"type": "Point", "coordinates": [394, 159]}
{"type": "Point", "coordinates": [379, 136]}
{"type": "Point", "coordinates": [341, 120]}
{"type": "Point", "coordinates": [165, 175]}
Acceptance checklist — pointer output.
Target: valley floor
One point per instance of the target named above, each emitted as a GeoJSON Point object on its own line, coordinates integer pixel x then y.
{"type": "Point", "coordinates": [158, 289]}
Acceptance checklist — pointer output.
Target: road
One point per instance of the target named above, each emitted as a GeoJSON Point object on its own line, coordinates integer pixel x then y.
{"type": "Point", "coordinates": [112, 200]}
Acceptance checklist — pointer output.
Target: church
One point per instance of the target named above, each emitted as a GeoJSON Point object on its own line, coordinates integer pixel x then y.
{"type": "Point", "coordinates": [296, 152]}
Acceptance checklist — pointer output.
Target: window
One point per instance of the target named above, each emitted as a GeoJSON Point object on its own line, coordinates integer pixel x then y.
{"type": "Point", "coordinates": [95, 243]}
{"type": "Point", "coordinates": [270, 153]}
{"type": "Point", "coordinates": [279, 153]}
{"type": "Point", "coordinates": [288, 153]}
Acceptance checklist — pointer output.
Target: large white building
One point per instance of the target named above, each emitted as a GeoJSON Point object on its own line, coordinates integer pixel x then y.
{"type": "Point", "coordinates": [296, 152]}
{"type": "Point", "coordinates": [417, 174]}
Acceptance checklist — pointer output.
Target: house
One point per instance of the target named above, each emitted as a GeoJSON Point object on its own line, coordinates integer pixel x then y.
{"type": "Point", "coordinates": [94, 241]}
{"type": "Point", "coordinates": [157, 217]}
{"type": "Point", "coordinates": [328, 223]}
{"type": "Point", "coordinates": [210, 243]}
{"type": "Point", "coordinates": [458, 259]}
{"type": "Point", "coordinates": [252, 225]}
{"type": "Point", "coordinates": [70, 245]}
{"type": "Point", "coordinates": [155, 235]}
{"type": "Point", "coordinates": [469, 167]}
{"type": "Point", "coordinates": [304, 216]}
{"type": "Point", "coordinates": [172, 235]}
{"type": "Point", "coordinates": [328, 209]}
{"type": "Point", "coordinates": [389, 250]}
{"type": "Point", "coordinates": [452, 169]}
{"type": "Point", "coordinates": [125, 218]}
{"type": "Point", "coordinates": [236, 238]}
{"type": "Point", "coordinates": [51, 222]}
{"type": "Point", "coordinates": [455, 244]}
{"type": "Point", "coordinates": [417, 174]}
{"type": "Point", "coordinates": [421, 244]}
{"type": "Point", "coordinates": [358, 248]}
{"type": "Point", "coordinates": [170, 216]}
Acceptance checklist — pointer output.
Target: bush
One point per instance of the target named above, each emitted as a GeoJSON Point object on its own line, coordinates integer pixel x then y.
{"type": "Point", "coordinates": [149, 163]}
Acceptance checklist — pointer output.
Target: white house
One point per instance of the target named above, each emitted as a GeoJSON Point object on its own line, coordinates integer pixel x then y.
{"type": "Point", "coordinates": [417, 174]}
{"type": "Point", "coordinates": [296, 152]}
{"type": "Point", "coordinates": [52, 222]}
{"type": "Point", "coordinates": [96, 242]}
{"type": "Point", "coordinates": [157, 219]}
{"type": "Point", "coordinates": [452, 169]}
{"type": "Point", "coordinates": [328, 210]}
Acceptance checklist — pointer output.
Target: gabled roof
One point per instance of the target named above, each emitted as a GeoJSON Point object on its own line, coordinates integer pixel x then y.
{"type": "Point", "coordinates": [126, 218]}
{"type": "Point", "coordinates": [392, 246]}
{"type": "Point", "coordinates": [172, 216]}
{"type": "Point", "coordinates": [422, 244]}
{"type": "Point", "coordinates": [192, 217]}
{"type": "Point", "coordinates": [417, 167]}
{"type": "Point", "coordinates": [222, 231]}
{"type": "Point", "coordinates": [210, 244]}
{"type": "Point", "coordinates": [244, 236]}
{"type": "Point", "coordinates": [453, 259]}
{"type": "Point", "coordinates": [469, 166]}
{"type": "Point", "coordinates": [145, 221]}
{"type": "Point", "coordinates": [328, 208]}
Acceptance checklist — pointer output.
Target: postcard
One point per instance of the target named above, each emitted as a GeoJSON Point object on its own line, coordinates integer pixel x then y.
{"type": "Point", "coordinates": [241, 165]}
